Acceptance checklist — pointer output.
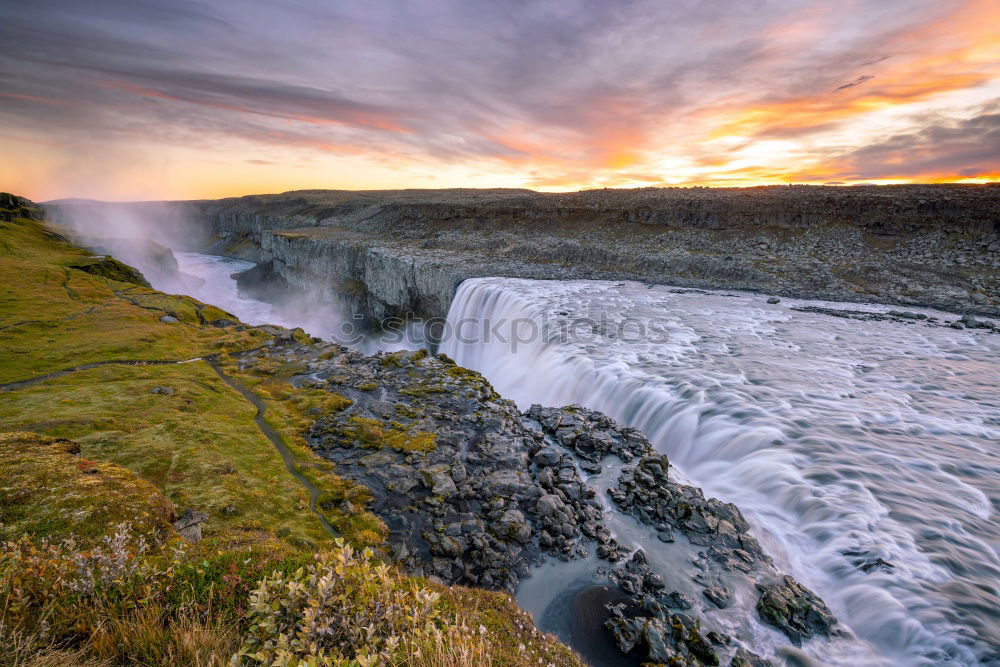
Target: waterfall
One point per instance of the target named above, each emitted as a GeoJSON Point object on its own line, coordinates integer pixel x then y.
{"type": "Point", "coordinates": [859, 451]}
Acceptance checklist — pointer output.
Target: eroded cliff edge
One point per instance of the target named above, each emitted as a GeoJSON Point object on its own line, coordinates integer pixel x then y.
{"type": "Point", "coordinates": [389, 253]}
{"type": "Point", "coordinates": [255, 444]}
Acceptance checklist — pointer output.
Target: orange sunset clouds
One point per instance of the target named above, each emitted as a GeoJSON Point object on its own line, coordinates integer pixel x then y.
{"type": "Point", "coordinates": [148, 99]}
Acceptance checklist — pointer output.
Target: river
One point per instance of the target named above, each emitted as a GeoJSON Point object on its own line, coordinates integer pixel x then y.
{"type": "Point", "coordinates": [843, 441]}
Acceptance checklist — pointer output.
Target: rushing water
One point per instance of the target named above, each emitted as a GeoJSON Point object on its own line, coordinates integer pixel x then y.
{"type": "Point", "coordinates": [842, 441]}
{"type": "Point", "coordinates": [219, 288]}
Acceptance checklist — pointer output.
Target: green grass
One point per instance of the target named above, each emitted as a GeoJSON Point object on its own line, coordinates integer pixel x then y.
{"type": "Point", "coordinates": [47, 489]}
{"type": "Point", "coordinates": [54, 317]}
{"type": "Point", "coordinates": [85, 451]}
{"type": "Point", "coordinates": [290, 411]}
{"type": "Point", "coordinates": [110, 268]}
{"type": "Point", "coordinates": [199, 445]}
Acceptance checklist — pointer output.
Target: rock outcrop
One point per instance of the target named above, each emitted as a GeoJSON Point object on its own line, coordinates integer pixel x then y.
{"type": "Point", "coordinates": [794, 610]}
{"type": "Point", "coordinates": [12, 206]}
{"type": "Point", "coordinates": [393, 253]}
{"type": "Point", "coordinates": [474, 492]}
{"type": "Point", "coordinates": [188, 525]}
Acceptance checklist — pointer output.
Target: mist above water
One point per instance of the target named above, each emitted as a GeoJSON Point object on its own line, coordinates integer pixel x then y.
{"type": "Point", "coordinates": [144, 235]}
{"type": "Point", "coordinates": [162, 241]}
{"type": "Point", "coordinates": [843, 442]}
{"type": "Point", "coordinates": [317, 316]}
{"type": "Point", "coordinates": [219, 287]}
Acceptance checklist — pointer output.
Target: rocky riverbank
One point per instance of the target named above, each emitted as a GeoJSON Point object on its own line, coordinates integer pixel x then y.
{"type": "Point", "coordinates": [396, 252]}
{"type": "Point", "coordinates": [474, 492]}
{"type": "Point", "coordinates": [407, 452]}
{"type": "Point", "coordinates": [470, 490]}
{"type": "Point", "coordinates": [139, 462]}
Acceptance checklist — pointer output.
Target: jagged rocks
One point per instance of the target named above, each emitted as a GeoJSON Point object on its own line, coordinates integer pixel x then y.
{"type": "Point", "coordinates": [110, 268]}
{"type": "Point", "coordinates": [677, 600]}
{"type": "Point", "coordinates": [646, 493]}
{"type": "Point", "coordinates": [590, 434]}
{"type": "Point", "coordinates": [391, 253]}
{"type": "Point", "coordinates": [794, 610]}
{"type": "Point", "coordinates": [719, 596]}
{"type": "Point", "coordinates": [13, 207]}
{"type": "Point", "coordinates": [474, 492]}
{"type": "Point", "coordinates": [673, 639]}
{"type": "Point", "coordinates": [438, 479]}
{"type": "Point", "coordinates": [635, 577]}
{"type": "Point", "coordinates": [511, 526]}
{"type": "Point", "coordinates": [547, 456]}
{"type": "Point", "coordinates": [971, 322]}
{"type": "Point", "coordinates": [481, 503]}
{"type": "Point", "coordinates": [744, 658]}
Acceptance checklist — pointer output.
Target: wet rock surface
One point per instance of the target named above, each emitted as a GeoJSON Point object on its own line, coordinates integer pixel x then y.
{"type": "Point", "coordinates": [904, 317]}
{"type": "Point", "coordinates": [794, 610]}
{"type": "Point", "coordinates": [647, 493]}
{"type": "Point", "coordinates": [475, 492]}
{"type": "Point", "coordinates": [486, 501]}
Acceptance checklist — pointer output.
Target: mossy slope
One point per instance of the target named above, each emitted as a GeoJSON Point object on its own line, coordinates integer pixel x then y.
{"type": "Point", "coordinates": [54, 316]}
{"type": "Point", "coordinates": [48, 489]}
{"type": "Point", "coordinates": [152, 440]}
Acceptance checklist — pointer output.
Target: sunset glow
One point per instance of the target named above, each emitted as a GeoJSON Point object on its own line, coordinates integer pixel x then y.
{"type": "Point", "coordinates": [130, 100]}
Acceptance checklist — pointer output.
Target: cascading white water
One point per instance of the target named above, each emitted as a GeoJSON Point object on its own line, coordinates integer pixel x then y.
{"type": "Point", "coordinates": [315, 315]}
{"type": "Point", "coordinates": [219, 287]}
{"type": "Point", "coordinates": [835, 437]}
{"type": "Point", "coordinates": [842, 441]}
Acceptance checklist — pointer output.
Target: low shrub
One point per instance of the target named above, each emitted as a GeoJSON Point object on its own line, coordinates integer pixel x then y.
{"type": "Point", "coordinates": [131, 601]}
{"type": "Point", "coordinates": [60, 592]}
{"type": "Point", "coordinates": [346, 608]}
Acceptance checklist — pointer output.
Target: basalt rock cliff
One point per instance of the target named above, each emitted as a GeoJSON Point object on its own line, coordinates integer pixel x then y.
{"type": "Point", "coordinates": [393, 253]}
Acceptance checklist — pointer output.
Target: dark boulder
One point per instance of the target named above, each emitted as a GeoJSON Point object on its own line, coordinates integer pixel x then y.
{"type": "Point", "coordinates": [795, 610]}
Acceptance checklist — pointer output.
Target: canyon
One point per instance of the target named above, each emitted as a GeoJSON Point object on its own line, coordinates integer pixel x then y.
{"type": "Point", "coordinates": [482, 490]}
{"type": "Point", "coordinates": [397, 252]}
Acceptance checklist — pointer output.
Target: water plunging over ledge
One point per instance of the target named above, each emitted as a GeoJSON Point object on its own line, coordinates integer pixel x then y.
{"type": "Point", "coordinates": [843, 441]}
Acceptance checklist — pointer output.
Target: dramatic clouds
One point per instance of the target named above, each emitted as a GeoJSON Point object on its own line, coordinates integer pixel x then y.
{"type": "Point", "coordinates": [179, 98]}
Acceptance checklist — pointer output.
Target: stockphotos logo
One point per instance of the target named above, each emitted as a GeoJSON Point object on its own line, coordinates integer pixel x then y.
{"type": "Point", "coordinates": [512, 333]}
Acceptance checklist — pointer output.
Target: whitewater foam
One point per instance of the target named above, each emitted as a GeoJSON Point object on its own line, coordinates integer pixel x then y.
{"type": "Point", "coordinates": [843, 441]}
{"type": "Point", "coordinates": [315, 316]}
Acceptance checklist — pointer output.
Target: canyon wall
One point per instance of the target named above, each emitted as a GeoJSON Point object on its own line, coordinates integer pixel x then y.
{"type": "Point", "coordinates": [393, 253]}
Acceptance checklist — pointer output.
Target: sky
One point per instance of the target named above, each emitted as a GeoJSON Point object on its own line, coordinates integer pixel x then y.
{"type": "Point", "coordinates": [181, 99]}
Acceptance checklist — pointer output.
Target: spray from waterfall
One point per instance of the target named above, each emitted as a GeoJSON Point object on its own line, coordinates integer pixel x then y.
{"type": "Point", "coordinates": [145, 235]}
{"type": "Point", "coordinates": [170, 244]}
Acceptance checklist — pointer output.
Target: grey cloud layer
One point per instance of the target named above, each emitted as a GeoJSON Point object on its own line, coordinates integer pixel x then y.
{"type": "Point", "coordinates": [969, 147]}
{"type": "Point", "coordinates": [453, 80]}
